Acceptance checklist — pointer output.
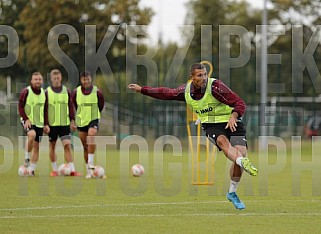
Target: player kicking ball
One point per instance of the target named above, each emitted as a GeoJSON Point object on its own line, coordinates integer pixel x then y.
{"type": "Point", "coordinates": [219, 110]}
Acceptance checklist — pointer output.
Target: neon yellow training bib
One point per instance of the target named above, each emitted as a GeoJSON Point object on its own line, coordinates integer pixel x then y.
{"type": "Point", "coordinates": [34, 107]}
{"type": "Point", "coordinates": [58, 109]}
{"type": "Point", "coordinates": [87, 107]}
{"type": "Point", "coordinates": [208, 109]}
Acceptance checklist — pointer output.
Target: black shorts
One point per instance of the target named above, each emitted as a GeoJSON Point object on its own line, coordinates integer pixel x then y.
{"type": "Point", "coordinates": [213, 130]}
{"type": "Point", "coordinates": [92, 124]}
{"type": "Point", "coordinates": [39, 131]}
{"type": "Point", "coordinates": [62, 132]}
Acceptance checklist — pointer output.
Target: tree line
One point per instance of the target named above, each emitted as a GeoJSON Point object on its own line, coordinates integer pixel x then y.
{"type": "Point", "coordinates": [293, 33]}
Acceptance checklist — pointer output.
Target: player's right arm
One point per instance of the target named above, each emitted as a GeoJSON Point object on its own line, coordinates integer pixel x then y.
{"type": "Point", "coordinates": [21, 108]}
{"type": "Point", "coordinates": [46, 128]}
{"type": "Point", "coordinates": [162, 93]}
{"type": "Point", "coordinates": [71, 108]}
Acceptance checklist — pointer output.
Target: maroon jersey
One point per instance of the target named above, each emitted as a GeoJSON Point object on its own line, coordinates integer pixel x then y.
{"type": "Point", "coordinates": [219, 90]}
{"type": "Point", "coordinates": [70, 105]}
{"type": "Point", "coordinates": [100, 96]}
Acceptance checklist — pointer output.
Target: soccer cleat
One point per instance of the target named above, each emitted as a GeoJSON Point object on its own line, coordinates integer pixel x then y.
{"type": "Point", "coordinates": [248, 167]}
{"type": "Point", "coordinates": [89, 176]}
{"type": "Point", "coordinates": [75, 173]}
{"type": "Point", "coordinates": [232, 197]}
{"type": "Point", "coordinates": [54, 173]}
{"type": "Point", "coordinates": [27, 162]}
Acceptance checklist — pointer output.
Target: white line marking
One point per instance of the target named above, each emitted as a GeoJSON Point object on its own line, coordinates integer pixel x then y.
{"type": "Point", "coordinates": [108, 205]}
{"type": "Point", "coordinates": [146, 204]}
{"type": "Point", "coordinates": [159, 215]}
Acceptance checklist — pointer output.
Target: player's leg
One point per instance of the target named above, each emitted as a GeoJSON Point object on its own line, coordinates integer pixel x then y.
{"type": "Point", "coordinates": [83, 137]}
{"type": "Point", "coordinates": [92, 132]}
{"type": "Point", "coordinates": [235, 155]}
{"type": "Point", "coordinates": [53, 158]}
{"type": "Point", "coordinates": [230, 152]}
{"type": "Point", "coordinates": [66, 142]}
{"type": "Point", "coordinates": [34, 157]}
{"type": "Point", "coordinates": [53, 136]}
{"type": "Point", "coordinates": [235, 177]}
{"type": "Point", "coordinates": [67, 149]}
{"type": "Point", "coordinates": [235, 170]}
{"type": "Point", "coordinates": [35, 150]}
{"type": "Point", "coordinates": [239, 143]}
{"type": "Point", "coordinates": [31, 135]}
{"type": "Point", "coordinates": [52, 152]}
{"type": "Point", "coordinates": [220, 136]}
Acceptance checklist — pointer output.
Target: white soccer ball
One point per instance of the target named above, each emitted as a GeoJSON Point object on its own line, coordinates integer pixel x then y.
{"type": "Point", "coordinates": [23, 171]}
{"type": "Point", "coordinates": [137, 170]}
{"type": "Point", "coordinates": [64, 169]}
{"type": "Point", "coordinates": [98, 172]}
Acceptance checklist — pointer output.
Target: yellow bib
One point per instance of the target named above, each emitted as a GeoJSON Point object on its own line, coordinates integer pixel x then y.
{"type": "Point", "coordinates": [34, 107]}
{"type": "Point", "coordinates": [87, 107]}
{"type": "Point", "coordinates": [208, 109]}
{"type": "Point", "coordinates": [58, 109]}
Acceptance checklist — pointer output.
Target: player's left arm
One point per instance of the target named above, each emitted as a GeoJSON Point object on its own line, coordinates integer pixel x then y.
{"type": "Point", "coordinates": [101, 100]}
{"type": "Point", "coordinates": [74, 98]}
{"type": "Point", "coordinates": [71, 107]}
{"type": "Point", "coordinates": [46, 128]}
{"type": "Point", "coordinates": [46, 117]}
{"type": "Point", "coordinates": [225, 95]}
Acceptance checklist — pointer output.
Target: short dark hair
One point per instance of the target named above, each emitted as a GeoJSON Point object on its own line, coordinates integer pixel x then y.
{"type": "Point", "coordinates": [196, 66]}
{"type": "Point", "coordinates": [36, 73]}
{"type": "Point", "coordinates": [55, 72]}
{"type": "Point", "coordinates": [85, 74]}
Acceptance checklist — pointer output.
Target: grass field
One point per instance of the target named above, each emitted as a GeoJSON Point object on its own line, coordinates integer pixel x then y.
{"type": "Point", "coordinates": [163, 201]}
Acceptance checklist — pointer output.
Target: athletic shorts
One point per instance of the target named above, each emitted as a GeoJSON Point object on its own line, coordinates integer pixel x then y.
{"type": "Point", "coordinates": [62, 132]}
{"type": "Point", "coordinates": [92, 124]}
{"type": "Point", "coordinates": [38, 131]}
{"type": "Point", "coordinates": [213, 130]}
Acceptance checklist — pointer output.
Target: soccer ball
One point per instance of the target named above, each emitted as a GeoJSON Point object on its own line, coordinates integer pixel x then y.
{"type": "Point", "coordinates": [137, 170]}
{"type": "Point", "coordinates": [23, 171]}
{"type": "Point", "coordinates": [98, 172]}
{"type": "Point", "coordinates": [64, 169]}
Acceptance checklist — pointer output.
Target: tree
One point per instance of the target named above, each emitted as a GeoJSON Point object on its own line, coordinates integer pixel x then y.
{"type": "Point", "coordinates": [39, 17]}
{"type": "Point", "coordinates": [304, 14]}
{"type": "Point", "coordinates": [9, 14]}
{"type": "Point", "coordinates": [217, 13]}
{"type": "Point", "coordinates": [280, 12]}
{"type": "Point", "coordinates": [294, 12]}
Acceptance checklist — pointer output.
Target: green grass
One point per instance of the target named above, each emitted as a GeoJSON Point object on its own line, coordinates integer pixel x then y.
{"type": "Point", "coordinates": [162, 204]}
